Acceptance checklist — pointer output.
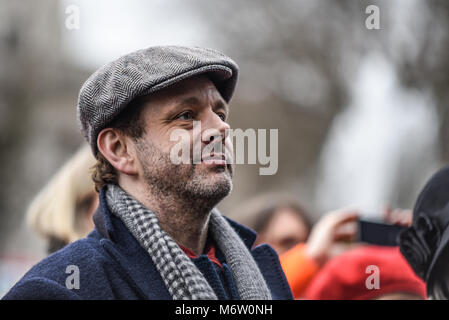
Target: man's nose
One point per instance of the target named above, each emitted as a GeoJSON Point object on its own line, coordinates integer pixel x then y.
{"type": "Point", "coordinates": [213, 127]}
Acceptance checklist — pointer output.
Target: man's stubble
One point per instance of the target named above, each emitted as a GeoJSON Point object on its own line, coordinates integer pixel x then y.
{"type": "Point", "coordinates": [199, 190]}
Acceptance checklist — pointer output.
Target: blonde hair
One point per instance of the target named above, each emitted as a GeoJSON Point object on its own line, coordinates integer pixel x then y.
{"type": "Point", "coordinates": [52, 213]}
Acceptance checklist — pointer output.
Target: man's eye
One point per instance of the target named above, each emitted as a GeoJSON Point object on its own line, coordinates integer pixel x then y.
{"type": "Point", "coordinates": [185, 116]}
{"type": "Point", "coordinates": [222, 116]}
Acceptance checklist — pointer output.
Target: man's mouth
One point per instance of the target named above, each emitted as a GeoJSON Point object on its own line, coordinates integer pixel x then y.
{"type": "Point", "coordinates": [218, 159]}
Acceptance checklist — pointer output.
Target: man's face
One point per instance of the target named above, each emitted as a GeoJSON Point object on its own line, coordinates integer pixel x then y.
{"type": "Point", "coordinates": [177, 107]}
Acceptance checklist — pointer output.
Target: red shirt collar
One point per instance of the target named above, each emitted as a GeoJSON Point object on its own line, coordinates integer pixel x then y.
{"type": "Point", "coordinates": [210, 249]}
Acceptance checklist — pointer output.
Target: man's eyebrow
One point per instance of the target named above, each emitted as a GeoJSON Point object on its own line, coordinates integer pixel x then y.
{"type": "Point", "coordinates": [189, 102]}
{"type": "Point", "coordinates": [194, 101]}
{"type": "Point", "coordinates": [220, 104]}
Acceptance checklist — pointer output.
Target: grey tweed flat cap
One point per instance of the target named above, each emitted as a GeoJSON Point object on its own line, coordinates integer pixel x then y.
{"type": "Point", "coordinates": [112, 87]}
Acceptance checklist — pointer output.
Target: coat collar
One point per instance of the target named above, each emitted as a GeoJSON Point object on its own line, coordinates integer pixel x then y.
{"type": "Point", "coordinates": [138, 267]}
{"type": "Point", "coordinates": [103, 220]}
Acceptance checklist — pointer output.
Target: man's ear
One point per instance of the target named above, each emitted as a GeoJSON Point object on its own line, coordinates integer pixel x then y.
{"type": "Point", "coordinates": [117, 149]}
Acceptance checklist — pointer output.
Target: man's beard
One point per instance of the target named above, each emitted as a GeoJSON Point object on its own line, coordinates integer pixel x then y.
{"type": "Point", "coordinates": [199, 189]}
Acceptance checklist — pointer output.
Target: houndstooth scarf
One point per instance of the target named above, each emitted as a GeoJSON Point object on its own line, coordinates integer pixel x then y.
{"type": "Point", "coordinates": [182, 278]}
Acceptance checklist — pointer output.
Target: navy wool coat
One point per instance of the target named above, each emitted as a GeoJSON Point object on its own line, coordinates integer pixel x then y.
{"type": "Point", "coordinates": [113, 265]}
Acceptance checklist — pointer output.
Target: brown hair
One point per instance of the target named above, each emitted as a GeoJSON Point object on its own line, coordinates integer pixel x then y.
{"type": "Point", "coordinates": [130, 123]}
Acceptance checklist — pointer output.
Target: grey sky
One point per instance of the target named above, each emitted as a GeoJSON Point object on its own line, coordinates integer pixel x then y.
{"type": "Point", "coordinates": [110, 28]}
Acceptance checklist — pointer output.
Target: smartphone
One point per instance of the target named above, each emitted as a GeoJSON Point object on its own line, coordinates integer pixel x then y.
{"type": "Point", "coordinates": [378, 233]}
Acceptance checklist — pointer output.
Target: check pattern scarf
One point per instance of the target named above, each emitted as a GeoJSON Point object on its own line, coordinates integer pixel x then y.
{"type": "Point", "coordinates": [182, 278]}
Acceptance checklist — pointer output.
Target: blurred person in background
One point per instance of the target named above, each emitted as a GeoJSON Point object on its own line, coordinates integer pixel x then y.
{"type": "Point", "coordinates": [278, 219]}
{"type": "Point", "coordinates": [330, 236]}
{"type": "Point", "coordinates": [425, 244]}
{"type": "Point", "coordinates": [62, 211]}
{"type": "Point", "coordinates": [303, 249]}
{"type": "Point", "coordinates": [367, 273]}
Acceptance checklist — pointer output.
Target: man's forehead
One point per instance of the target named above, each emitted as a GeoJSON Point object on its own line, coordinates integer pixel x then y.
{"type": "Point", "coordinates": [200, 85]}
